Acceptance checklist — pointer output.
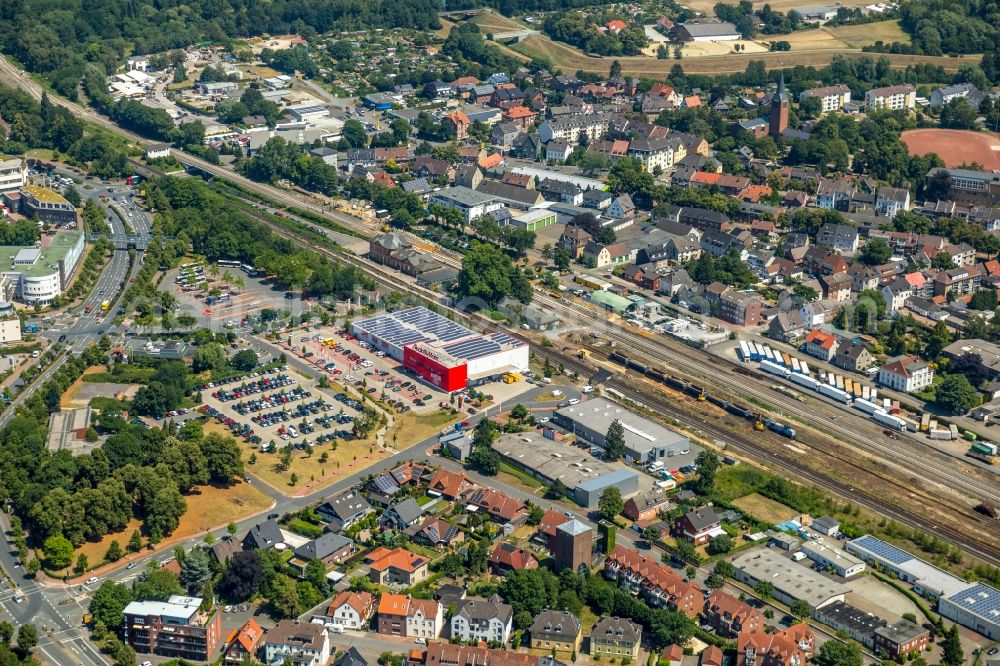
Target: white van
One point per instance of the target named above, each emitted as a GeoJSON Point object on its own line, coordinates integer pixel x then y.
{"type": "Point", "coordinates": [546, 380]}
{"type": "Point", "coordinates": [335, 628]}
{"type": "Point", "coordinates": [655, 467]}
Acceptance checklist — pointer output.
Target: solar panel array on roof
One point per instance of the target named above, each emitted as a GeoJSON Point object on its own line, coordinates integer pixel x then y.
{"type": "Point", "coordinates": [431, 324]}
{"type": "Point", "coordinates": [980, 599]}
{"type": "Point", "coordinates": [883, 550]}
{"type": "Point", "coordinates": [390, 330]}
{"type": "Point", "coordinates": [472, 348]}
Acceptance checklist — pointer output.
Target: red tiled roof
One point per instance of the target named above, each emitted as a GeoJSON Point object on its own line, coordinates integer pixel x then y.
{"type": "Point", "coordinates": [821, 339]}
{"type": "Point", "coordinates": [397, 558]}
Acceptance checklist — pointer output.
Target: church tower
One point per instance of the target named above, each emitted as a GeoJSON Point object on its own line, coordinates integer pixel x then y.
{"type": "Point", "coordinates": [779, 110]}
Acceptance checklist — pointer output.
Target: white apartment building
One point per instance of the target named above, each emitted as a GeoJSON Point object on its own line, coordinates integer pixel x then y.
{"type": "Point", "coordinates": [570, 130]}
{"type": "Point", "coordinates": [894, 98]}
{"type": "Point", "coordinates": [486, 620]}
{"type": "Point", "coordinates": [831, 98]}
{"type": "Point", "coordinates": [905, 374]}
{"type": "Point", "coordinates": [13, 175]}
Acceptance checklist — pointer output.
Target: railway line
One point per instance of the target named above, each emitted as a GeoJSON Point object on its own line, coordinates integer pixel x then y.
{"type": "Point", "coordinates": [692, 361]}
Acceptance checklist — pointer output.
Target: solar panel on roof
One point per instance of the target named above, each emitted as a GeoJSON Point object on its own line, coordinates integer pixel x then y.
{"type": "Point", "coordinates": [883, 550]}
{"type": "Point", "coordinates": [980, 599]}
{"type": "Point", "coordinates": [472, 348]}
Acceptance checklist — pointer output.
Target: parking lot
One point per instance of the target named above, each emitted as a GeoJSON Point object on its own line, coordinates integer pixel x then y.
{"type": "Point", "coordinates": [266, 409]}
{"type": "Point", "coordinates": [352, 362]}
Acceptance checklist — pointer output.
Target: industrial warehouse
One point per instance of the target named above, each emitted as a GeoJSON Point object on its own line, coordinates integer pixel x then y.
{"type": "Point", "coordinates": [441, 352]}
{"type": "Point", "coordinates": [645, 440]}
{"type": "Point", "coordinates": [549, 460]}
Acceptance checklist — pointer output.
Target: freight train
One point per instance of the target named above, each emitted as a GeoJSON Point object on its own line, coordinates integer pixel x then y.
{"type": "Point", "coordinates": [699, 392]}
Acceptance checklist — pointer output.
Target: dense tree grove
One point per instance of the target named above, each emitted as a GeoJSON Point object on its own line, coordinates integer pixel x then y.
{"type": "Point", "coordinates": [279, 159]}
{"type": "Point", "coordinates": [59, 43]}
{"type": "Point", "coordinates": [190, 211]}
{"type": "Point", "coordinates": [582, 31]}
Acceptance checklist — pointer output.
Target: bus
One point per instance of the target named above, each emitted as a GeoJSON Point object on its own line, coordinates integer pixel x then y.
{"type": "Point", "coordinates": [228, 263]}
{"type": "Point", "coordinates": [249, 270]}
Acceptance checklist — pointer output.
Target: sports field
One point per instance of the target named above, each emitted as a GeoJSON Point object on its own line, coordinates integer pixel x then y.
{"type": "Point", "coordinates": [956, 147]}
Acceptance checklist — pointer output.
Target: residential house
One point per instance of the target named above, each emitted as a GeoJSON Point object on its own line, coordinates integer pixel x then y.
{"type": "Point", "coordinates": [551, 520]}
{"type": "Point", "coordinates": [710, 656]}
{"type": "Point", "coordinates": [832, 98]}
{"type": "Point", "coordinates": [467, 175]}
{"type": "Point", "coordinates": [344, 510]}
{"type": "Point", "coordinates": [560, 190]}
{"type": "Point", "coordinates": [682, 249]}
{"type": "Point", "coordinates": [507, 557]}
{"type": "Point", "coordinates": [863, 277]}
{"type": "Point", "coordinates": [449, 654]}
{"type": "Point", "coordinates": [730, 617]}
{"type": "Point", "coordinates": [526, 146]}
{"type": "Point", "coordinates": [615, 638]}
{"type": "Point", "coordinates": [905, 374]}
{"type": "Point", "coordinates": [957, 282]}
{"type": "Point", "coordinates": [962, 254]}
{"type": "Point", "coordinates": [450, 485]}
{"type": "Point", "coordinates": [432, 169]}
{"type": "Point", "coordinates": [503, 134]}
{"type": "Point", "coordinates": [354, 658]}
{"type": "Point", "coordinates": [699, 525]}
{"type": "Point", "coordinates": [787, 326]}
{"type": "Point", "coordinates": [658, 584]}
{"type": "Point", "coordinates": [597, 199]}
{"type": "Point", "coordinates": [621, 208]}
{"type": "Point", "coordinates": [834, 194]}
{"type": "Point", "coordinates": [641, 277]}
{"type": "Point", "coordinates": [424, 618]}
{"type": "Point", "coordinates": [438, 533]}
{"type": "Point", "coordinates": [891, 200]}
{"type": "Point", "coordinates": [482, 620]}
{"type": "Point", "coordinates": [699, 218]}
{"type": "Point", "coordinates": [836, 287]}
{"type": "Point", "coordinates": [558, 151]}
{"type": "Point", "coordinates": [941, 96]}
{"type": "Point", "coordinates": [822, 345]}
{"type": "Point", "coordinates": [351, 610]}
{"type": "Point", "coordinates": [556, 630]}
{"type": "Point", "coordinates": [646, 506]}
{"type": "Point", "coordinates": [459, 123]}
{"type": "Point", "coordinates": [606, 255]}
{"type": "Point", "coordinates": [896, 294]}
{"type": "Point", "coordinates": [654, 153]}
{"type": "Point", "coordinates": [815, 313]}
{"type": "Point", "coordinates": [718, 243]}
{"type": "Point", "coordinates": [853, 356]}
{"type": "Point", "coordinates": [396, 567]}
{"type": "Point", "coordinates": [403, 515]}
{"type": "Point", "coordinates": [329, 548]}
{"type": "Point", "coordinates": [574, 239]}
{"type": "Point", "coordinates": [243, 643]}
{"type": "Point", "coordinates": [840, 237]}
{"type": "Point", "coordinates": [263, 535]}
{"type": "Point", "coordinates": [301, 643]}
{"type": "Point", "coordinates": [498, 506]}
{"type": "Point", "coordinates": [783, 648]}
{"type": "Point", "coordinates": [521, 116]}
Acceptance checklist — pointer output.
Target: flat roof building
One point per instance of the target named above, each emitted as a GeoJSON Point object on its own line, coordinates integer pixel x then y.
{"type": "Point", "coordinates": [791, 580]}
{"type": "Point", "coordinates": [173, 628]}
{"type": "Point", "coordinates": [858, 624]}
{"type": "Point", "coordinates": [67, 430]}
{"type": "Point", "coordinates": [41, 274]}
{"type": "Point", "coordinates": [926, 579]}
{"type": "Point", "coordinates": [47, 206]}
{"type": "Point", "coordinates": [976, 607]}
{"type": "Point", "coordinates": [440, 351]}
{"type": "Point", "coordinates": [645, 440]}
{"type": "Point", "coordinates": [469, 202]}
{"type": "Point", "coordinates": [549, 460]}
{"type": "Point", "coordinates": [13, 174]}
{"type": "Point", "coordinates": [841, 562]}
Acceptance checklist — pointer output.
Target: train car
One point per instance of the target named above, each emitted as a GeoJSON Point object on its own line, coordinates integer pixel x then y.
{"type": "Point", "coordinates": [780, 428]}
{"type": "Point", "coordinates": [835, 394]}
{"type": "Point", "coordinates": [694, 391]}
{"type": "Point", "coordinates": [774, 368]}
{"type": "Point", "coordinates": [802, 380]}
{"type": "Point", "coordinates": [744, 351]}
{"type": "Point", "coordinates": [740, 411]}
{"type": "Point", "coordinates": [675, 383]}
{"type": "Point", "coordinates": [866, 406]}
{"type": "Point", "coordinates": [717, 401]}
{"type": "Point", "coordinates": [619, 358]}
{"type": "Point", "coordinates": [658, 375]}
{"type": "Point", "coordinates": [635, 365]}
{"type": "Point", "coordinates": [889, 421]}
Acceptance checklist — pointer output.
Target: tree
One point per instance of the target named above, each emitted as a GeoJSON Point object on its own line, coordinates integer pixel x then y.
{"type": "Point", "coordinates": [801, 609]}
{"type": "Point", "coordinates": [611, 503]}
{"type": "Point", "coordinates": [764, 589]}
{"type": "Point", "coordinates": [720, 545]}
{"type": "Point", "coordinates": [951, 648]}
{"type": "Point", "coordinates": [556, 490]}
{"type": "Point", "coordinates": [839, 653]}
{"type": "Point", "coordinates": [222, 457]}
{"type": "Point", "coordinates": [245, 360]}
{"type": "Point", "coordinates": [243, 576]}
{"type": "Point", "coordinates": [708, 465]}
{"type": "Point", "coordinates": [876, 251]}
{"type": "Point", "coordinates": [109, 601]}
{"type": "Point", "coordinates": [135, 542]}
{"type": "Point", "coordinates": [285, 597]}
{"type": "Point", "coordinates": [195, 570]}
{"type": "Point", "coordinates": [488, 275]}
{"type": "Point", "coordinates": [58, 551]}
{"type": "Point", "coordinates": [956, 395]}
{"type": "Point", "coordinates": [535, 514]}
{"type": "Point", "coordinates": [81, 564]}
{"type": "Point", "coordinates": [614, 441]}
{"type": "Point", "coordinates": [27, 637]}
{"type": "Point", "coordinates": [210, 356]}
{"type": "Point", "coordinates": [519, 412]}
{"type": "Point", "coordinates": [316, 574]}
{"type": "Point", "coordinates": [6, 632]}
{"type": "Point", "coordinates": [157, 584]}
{"type": "Point", "coordinates": [486, 460]}
{"type": "Point", "coordinates": [669, 628]}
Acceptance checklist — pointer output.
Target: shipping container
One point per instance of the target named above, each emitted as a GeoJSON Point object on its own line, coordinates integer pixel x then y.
{"type": "Point", "coordinates": [802, 380]}
{"type": "Point", "coordinates": [835, 394]}
{"type": "Point", "coordinates": [939, 434]}
{"type": "Point", "coordinates": [886, 404]}
{"type": "Point", "coordinates": [969, 435]}
{"type": "Point", "coordinates": [925, 420]}
{"type": "Point", "coordinates": [889, 420]}
{"type": "Point", "coordinates": [866, 406]}
{"type": "Point", "coordinates": [757, 351]}
{"type": "Point", "coordinates": [953, 429]}
{"type": "Point", "coordinates": [774, 369]}
{"type": "Point", "coordinates": [895, 407]}
{"type": "Point", "coordinates": [873, 396]}
{"type": "Point", "coordinates": [769, 354]}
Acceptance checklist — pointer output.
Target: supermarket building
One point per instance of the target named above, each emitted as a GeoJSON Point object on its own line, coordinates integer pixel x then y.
{"type": "Point", "coordinates": [441, 352]}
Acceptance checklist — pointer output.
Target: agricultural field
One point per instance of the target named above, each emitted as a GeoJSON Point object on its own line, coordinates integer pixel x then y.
{"type": "Point", "coordinates": [707, 7]}
{"type": "Point", "coordinates": [846, 36]}
{"type": "Point", "coordinates": [570, 59]}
